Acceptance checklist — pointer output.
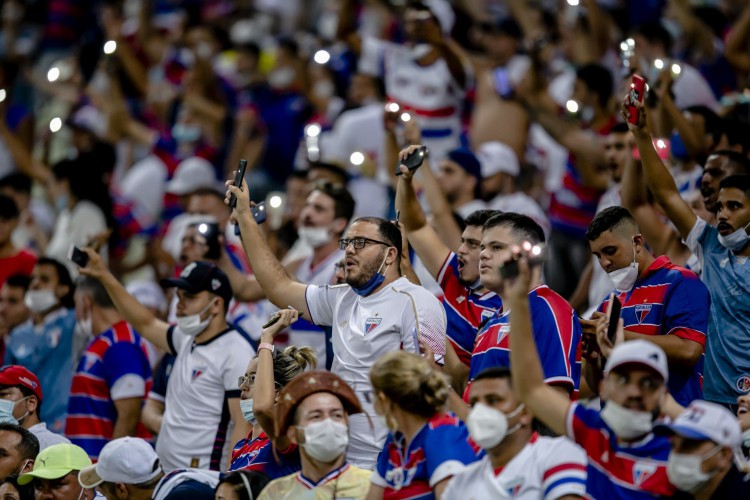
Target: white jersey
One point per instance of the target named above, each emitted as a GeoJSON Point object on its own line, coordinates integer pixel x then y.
{"type": "Point", "coordinates": [304, 333]}
{"type": "Point", "coordinates": [366, 328]}
{"type": "Point", "coordinates": [429, 92]}
{"type": "Point", "coordinates": [546, 468]}
{"type": "Point", "coordinates": [204, 377]}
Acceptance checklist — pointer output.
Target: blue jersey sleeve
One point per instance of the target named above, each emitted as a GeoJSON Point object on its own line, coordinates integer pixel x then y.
{"type": "Point", "coordinates": [124, 358]}
{"type": "Point", "coordinates": [383, 458]}
{"type": "Point", "coordinates": [448, 451]}
{"type": "Point", "coordinates": [687, 310]}
{"type": "Point", "coordinates": [557, 335]}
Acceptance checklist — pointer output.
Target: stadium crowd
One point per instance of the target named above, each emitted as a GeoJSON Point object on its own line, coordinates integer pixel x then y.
{"type": "Point", "coordinates": [374, 249]}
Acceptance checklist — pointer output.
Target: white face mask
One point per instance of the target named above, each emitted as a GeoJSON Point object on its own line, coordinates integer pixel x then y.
{"type": "Point", "coordinates": [281, 78]}
{"type": "Point", "coordinates": [737, 240]}
{"type": "Point", "coordinates": [192, 325]}
{"type": "Point", "coordinates": [86, 327]}
{"type": "Point", "coordinates": [324, 89]}
{"type": "Point", "coordinates": [40, 300]}
{"type": "Point", "coordinates": [627, 424]}
{"type": "Point", "coordinates": [625, 278]}
{"type": "Point", "coordinates": [326, 440]}
{"type": "Point", "coordinates": [420, 50]}
{"type": "Point", "coordinates": [488, 426]}
{"type": "Point", "coordinates": [246, 406]}
{"type": "Point", "coordinates": [685, 472]}
{"type": "Point", "coordinates": [314, 236]}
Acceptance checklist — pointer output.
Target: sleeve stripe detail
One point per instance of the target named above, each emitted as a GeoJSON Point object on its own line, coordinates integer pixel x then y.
{"type": "Point", "coordinates": [566, 466]}
{"type": "Point", "coordinates": [564, 481]}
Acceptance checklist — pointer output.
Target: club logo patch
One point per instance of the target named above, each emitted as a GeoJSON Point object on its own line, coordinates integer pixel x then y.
{"type": "Point", "coordinates": [641, 311]}
{"type": "Point", "coordinates": [642, 471]}
{"type": "Point", "coordinates": [371, 324]}
{"type": "Point", "coordinates": [743, 384]}
{"type": "Point", "coordinates": [215, 284]}
{"type": "Point", "coordinates": [502, 332]}
{"type": "Point", "coordinates": [197, 372]}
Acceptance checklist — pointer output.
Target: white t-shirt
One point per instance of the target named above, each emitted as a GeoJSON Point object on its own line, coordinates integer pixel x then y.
{"type": "Point", "coordinates": [546, 468]}
{"type": "Point", "coordinates": [691, 89]}
{"type": "Point", "coordinates": [429, 92]}
{"type": "Point", "coordinates": [45, 436]}
{"type": "Point", "coordinates": [366, 328]}
{"type": "Point", "coordinates": [469, 208]}
{"type": "Point", "coordinates": [204, 377]}
{"type": "Point", "coordinates": [75, 227]}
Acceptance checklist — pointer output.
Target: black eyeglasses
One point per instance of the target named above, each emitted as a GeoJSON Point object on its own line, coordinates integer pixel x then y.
{"type": "Point", "coordinates": [359, 242]}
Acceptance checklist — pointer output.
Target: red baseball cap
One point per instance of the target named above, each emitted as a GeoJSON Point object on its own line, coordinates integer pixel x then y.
{"type": "Point", "coordinates": [16, 375]}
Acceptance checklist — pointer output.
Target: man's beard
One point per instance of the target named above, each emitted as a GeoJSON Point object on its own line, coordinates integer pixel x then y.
{"type": "Point", "coordinates": [368, 270]}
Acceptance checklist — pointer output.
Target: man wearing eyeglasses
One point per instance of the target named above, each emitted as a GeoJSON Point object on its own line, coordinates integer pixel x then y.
{"type": "Point", "coordinates": [375, 312]}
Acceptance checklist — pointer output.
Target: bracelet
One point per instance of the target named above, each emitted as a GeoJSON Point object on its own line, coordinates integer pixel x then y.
{"type": "Point", "coordinates": [266, 345]}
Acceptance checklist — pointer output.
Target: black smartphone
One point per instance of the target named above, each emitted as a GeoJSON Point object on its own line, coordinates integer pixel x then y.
{"type": "Point", "coordinates": [614, 316]}
{"type": "Point", "coordinates": [238, 177]}
{"type": "Point", "coordinates": [259, 214]}
{"type": "Point", "coordinates": [78, 256]}
{"type": "Point", "coordinates": [414, 160]}
{"type": "Point", "coordinates": [536, 257]}
{"type": "Point", "coordinates": [210, 233]}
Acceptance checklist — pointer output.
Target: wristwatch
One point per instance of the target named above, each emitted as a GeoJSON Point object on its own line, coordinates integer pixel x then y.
{"type": "Point", "coordinates": [266, 345]}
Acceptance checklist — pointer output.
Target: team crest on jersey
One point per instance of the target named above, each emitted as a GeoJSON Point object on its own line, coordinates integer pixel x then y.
{"type": "Point", "coordinates": [514, 487]}
{"type": "Point", "coordinates": [641, 311]}
{"type": "Point", "coordinates": [460, 298]}
{"type": "Point", "coordinates": [371, 324]}
{"type": "Point", "coordinates": [54, 336]}
{"type": "Point", "coordinates": [197, 372]}
{"type": "Point", "coordinates": [486, 314]}
{"type": "Point", "coordinates": [642, 471]}
{"type": "Point", "coordinates": [502, 332]}
{"type": "Point", "coordinates": [743, 384]}
{"type": "Point", "coordinates": [89, 360]}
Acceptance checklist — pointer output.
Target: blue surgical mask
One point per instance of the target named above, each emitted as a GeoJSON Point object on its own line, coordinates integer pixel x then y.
{"type": "Point", "coordinates": [374, 282]}
{"type": "Point", "coordinates": [677, 147]}
{"type": "Point", "coordinates": [6, 411]}
{"type": "Point", "coordinates": [246, 406]}
{"type": "Point", "coordinates": [61, 202]}
{"type": "Point", "coordinates": [186, 133]}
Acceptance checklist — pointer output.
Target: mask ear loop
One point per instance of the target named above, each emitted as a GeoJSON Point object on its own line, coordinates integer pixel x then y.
{"type": "Point", "coordinates": [247, 486]}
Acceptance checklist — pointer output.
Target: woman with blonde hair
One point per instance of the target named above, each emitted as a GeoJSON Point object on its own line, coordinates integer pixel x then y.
{"type": "Point", "coordinates": [426, 445]}
{"type": "Point", "coordinates": [267, 373]}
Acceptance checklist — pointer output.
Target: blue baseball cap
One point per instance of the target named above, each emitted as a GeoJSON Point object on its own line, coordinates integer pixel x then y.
{"type": "Point", "coordinates": [705, 421]}
{"type": "Point", "coordinates": [467, 160]}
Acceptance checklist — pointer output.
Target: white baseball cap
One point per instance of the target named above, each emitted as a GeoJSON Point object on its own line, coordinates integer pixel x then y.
{"type": "Point", "coordinates": [148, 293]}
{"type": "Point", "coordinates": [126, 460]}
{"type": "Point", "coordinates": [706, 421]}
{"type": "Point", "coordinates": [192, 174]}
{"type": "Point", "coordinates": [496, 157]}
{"type": "Point", "coordinates": [639, 352]}
{"type": "Point", "coordinates": [444, 14]}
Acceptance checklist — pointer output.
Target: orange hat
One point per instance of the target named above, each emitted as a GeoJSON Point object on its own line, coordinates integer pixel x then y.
{"type": "Point", "coordinates": [307, 384]}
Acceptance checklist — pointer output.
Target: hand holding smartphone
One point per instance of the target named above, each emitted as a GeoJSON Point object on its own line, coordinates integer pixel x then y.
{"type": "Point", "coordinates": [238, 177]}
{"type": "Point", "coordinates": [615, 307]}
{"type": "Point", "coordinates": [637, 93]}
{"type": "Point", "coordinates": [535, 255]}
{"type": "Point", "coordinates": [78, 256]}
{"type": "Point", "coordinates": [414, 160]}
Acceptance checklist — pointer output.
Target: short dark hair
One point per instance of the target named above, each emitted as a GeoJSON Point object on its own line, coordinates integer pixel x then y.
{"type": "Point", "coordinates": [207, 191]}
{"type": "Point", "coordinates": [714, 123]}
{"type": "Point", "coordinates": [598, 79]}
{"type": "Point", "coordinates": [495, 372]}
{"type": "Point", "coordinates": [337, 170]}
{"type": "Point", "coordinates": [18, 281]}
{"type": "Point", "coordinates": [480, 217]}
{"type": "Point", "coordinates": [63, 277]}
{"type": "Point", "coordinates": [741, 182]}
{"type": "Point", "coordinates": [519, 223]}
{"type": "Point", "coordinates": [17, 182]}
{"type": "Point", "coordinates": [29, 445]}
{"type": "Point", "coordinates": [736, 161]}
{"type": "Point", "coordinates": [608, 219]}
{"type": "Point", "coordinates": [388, 231]}
{"type": "Point", "coordinates": [655, 33]}
{"type": "Point", "coordinates": [619, 128]}
{"type": "Point", "coordinates": [241, 480]}
{"type": "Point", "coordinates": [8, 208]}
{"type": "Point", "coordinates": [343, 202]}
{"type": "Point", "coordinates": [94, 289]}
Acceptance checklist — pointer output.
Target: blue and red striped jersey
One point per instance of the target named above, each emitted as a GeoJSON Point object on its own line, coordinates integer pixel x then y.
{"type": "Point", "coordinates": [670, 300]}
{"type": "Point", "coordinates": [257, 454]}
{"type": "Point", "coordinates": [557, 333]}
{"type": "Point", "coordinates": [464, 310]}
{"type": "Point", "coordinates": [110, 356]}
{"type": "Point", "coordinates": [439, 450]}
{"type": "Point", "coordinates": [619, 471]}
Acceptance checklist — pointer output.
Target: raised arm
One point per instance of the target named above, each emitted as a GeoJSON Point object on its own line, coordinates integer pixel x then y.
{"type": "Point", "coordinates": [658, 178]}
{"type": "Point", "coordinates": [423, 238]}
{"type": "Point", "coordinates": [279, 286]}
{"type": "Point", "coordinates": [737, 43]}
{"type": "Point", "coordinates": [547, 404]}
{"type": "Point", "coordinates": [148, 326]}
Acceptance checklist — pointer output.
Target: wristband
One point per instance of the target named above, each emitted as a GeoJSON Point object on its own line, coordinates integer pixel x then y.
{"type": "Point", "coordinates": [266, 345]}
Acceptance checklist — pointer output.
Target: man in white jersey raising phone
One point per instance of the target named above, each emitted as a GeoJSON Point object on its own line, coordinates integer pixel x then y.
{"type": "Point", "coordinates": [375, 312]}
